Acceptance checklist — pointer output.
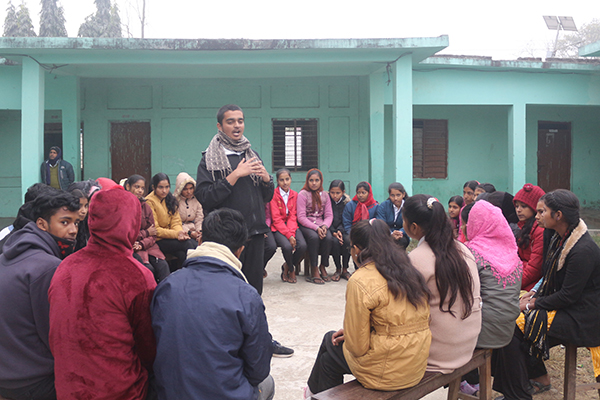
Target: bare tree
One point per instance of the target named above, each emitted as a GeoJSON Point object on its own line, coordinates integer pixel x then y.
{"type": "Point", "coordinates": [568, 46]}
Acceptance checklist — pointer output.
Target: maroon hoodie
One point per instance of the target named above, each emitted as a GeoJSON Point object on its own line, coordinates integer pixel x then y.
{"type": "Point", "coordinates": [100, 327]}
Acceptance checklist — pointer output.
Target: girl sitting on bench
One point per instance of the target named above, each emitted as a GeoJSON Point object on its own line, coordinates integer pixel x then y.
{"type": "Point", "coordinates": [385, 339]}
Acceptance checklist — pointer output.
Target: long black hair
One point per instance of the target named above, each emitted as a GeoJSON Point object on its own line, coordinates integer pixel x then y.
{"type": "Point", "coordinates": [133, 179]}
{"type": "Point", "coordinates": [452, 276]}
{"type": "Point", "coordinates": [566, 202]}
{"type": "Point", "coordinates": [471, 184]}
{"type": "Point", "coordinates": [375, 242]}
{"type": "Point", "coordinates": [80, 190]}
{"type": "Point", "coordinates": [170, 201]}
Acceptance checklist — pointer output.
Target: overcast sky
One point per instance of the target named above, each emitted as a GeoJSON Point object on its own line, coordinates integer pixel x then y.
{"type": "Point", "coordinates": [504, 29]}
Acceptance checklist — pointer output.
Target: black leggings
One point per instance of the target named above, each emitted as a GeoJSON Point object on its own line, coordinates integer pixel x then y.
{"type": "Point", "coordinates": [330, 366]}
{"type": "Point", "coordinates": [317, 246]}
{"type": "Point", "coordinates": [176, 248]}
{"type": "Point", "coordinates": [292, 257]}
{"type": "Point", "coordinates": [270, 248]}
{"type": "Point", "coordinates": [341, 251]}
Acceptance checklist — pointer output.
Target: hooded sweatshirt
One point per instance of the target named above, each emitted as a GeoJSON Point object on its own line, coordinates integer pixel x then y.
{"type": "Point", "coordinates": [190, 210]}
{"type": "Point", "coordinates": [27, 265]}
{"type": "Point", "coordinates": [101, 334]}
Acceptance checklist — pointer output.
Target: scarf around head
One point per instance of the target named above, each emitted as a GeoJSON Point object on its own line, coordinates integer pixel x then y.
{"type": "Point", "coordinates": [362, 209]}
{"type": "Point", "coordinates": [216, 159]}
{"type": "Point", "coordinates": [490, 237]}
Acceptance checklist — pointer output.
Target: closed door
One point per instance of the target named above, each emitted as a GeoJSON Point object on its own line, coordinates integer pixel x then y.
{"type": "Point", "coordinates": [130, 149]}
{"type": "Point", "coordinates": [554, 155]}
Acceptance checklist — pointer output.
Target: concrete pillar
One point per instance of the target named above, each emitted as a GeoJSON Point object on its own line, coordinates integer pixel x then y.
{"type": "Point", "coordinates": [403, 121]}
{"type": "Point", "coordinates": [376, 120]}
{"type": "Point", "coordinates": [71, 124]}
{"type": "Point", "coordinates": [32, 123]}
{"type": "Point", "coordinates": [517, 142]}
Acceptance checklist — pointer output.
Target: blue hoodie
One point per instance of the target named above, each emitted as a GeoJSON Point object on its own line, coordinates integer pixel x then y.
{"type": "Point", "coordinates": [27, 266]}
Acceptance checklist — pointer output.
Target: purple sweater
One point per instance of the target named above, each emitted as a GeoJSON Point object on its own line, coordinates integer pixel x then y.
{"type": "Point", "coordinates": [314, 219]}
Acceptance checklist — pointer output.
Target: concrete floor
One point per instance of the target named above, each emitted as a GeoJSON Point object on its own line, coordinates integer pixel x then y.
{"type": "Point", "coordinates": [299, 315]}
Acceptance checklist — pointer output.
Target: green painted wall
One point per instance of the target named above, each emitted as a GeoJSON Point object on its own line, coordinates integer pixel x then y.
{"type": "Point", "coordinates": [182, 114]}
{"type": "Point", "coordinates": [459, 86]}
{"type": "Point", "coordinates": [10, 153]}
{"type": "Point", "coordinates": [477, 148]}
{"type": "Point", "coordinates": [10, 87]}
{"type": "Point", "coordinates": [585, 143]}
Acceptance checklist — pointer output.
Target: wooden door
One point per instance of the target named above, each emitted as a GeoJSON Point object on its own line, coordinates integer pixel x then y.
{"type": "Point", "coordinates": [554, 155]}
{"type": "Point", "coordinates": [130, 149]}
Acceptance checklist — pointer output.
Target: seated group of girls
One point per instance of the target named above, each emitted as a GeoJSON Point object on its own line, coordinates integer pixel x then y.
{"type": "Point", "coordinates": [429, 310]}
{"type": "Point", "coordinates": [171, 224]}
{"type": "Point", "coordinates": [320, 222]}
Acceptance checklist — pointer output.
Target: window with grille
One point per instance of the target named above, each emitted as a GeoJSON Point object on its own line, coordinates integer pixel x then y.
{"type": "Point", "coordinates": [430, 148]}
{"type": "Point", "coordinates": [295, 144]}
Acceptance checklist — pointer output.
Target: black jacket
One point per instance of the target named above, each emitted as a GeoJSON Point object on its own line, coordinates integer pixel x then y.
{"type": "Point", "coordinates": [27, 266]}
{"type": "Point", "coordinates": [577, 300]}
{"type": "Point", "coordinates": [338, 210]}
{"type": "Point", "coordinates": [244, 196]}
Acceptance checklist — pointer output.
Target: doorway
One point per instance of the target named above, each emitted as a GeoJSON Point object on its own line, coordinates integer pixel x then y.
{"type": "Point", "coordinates": [554, 155]}
{"type": "Point", "coordinates": [130, 149]}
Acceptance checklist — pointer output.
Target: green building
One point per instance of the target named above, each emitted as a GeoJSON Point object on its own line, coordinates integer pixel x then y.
{"type": "Point", "coordinates": [380, 110]}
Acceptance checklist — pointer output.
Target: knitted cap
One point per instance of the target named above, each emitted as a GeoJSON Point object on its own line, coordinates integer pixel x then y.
{"type": "Point", "coordinates": [530, 195]}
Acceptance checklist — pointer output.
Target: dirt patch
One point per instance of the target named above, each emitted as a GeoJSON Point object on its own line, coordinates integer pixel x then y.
{"type": "Point", "coordinates": [556, 367]}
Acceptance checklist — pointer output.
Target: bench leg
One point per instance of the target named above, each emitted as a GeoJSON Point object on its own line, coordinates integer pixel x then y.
{"type": "Point", "coordinates": [454, 388]}
{"type": "Point", "coordinates": [485, 379]}
{"type": "Point", "coordinates": [570, 372]}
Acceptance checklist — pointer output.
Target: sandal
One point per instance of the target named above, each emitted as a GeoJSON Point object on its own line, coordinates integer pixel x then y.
{"type": "Point", "coordinates": [324, 276]}
{"type": "Point", "coordinates": [346, 275]}
{"type": "Point", "coordinates": [292, 276]}
{"type": "Point", "coordinates": [284, 275]}
{"type": "Point", "coordinates": [539, 387]}
{"type": "Point", "coordinates": [336, 277]}
{"type": "Point", "coordinates": [315, 279]}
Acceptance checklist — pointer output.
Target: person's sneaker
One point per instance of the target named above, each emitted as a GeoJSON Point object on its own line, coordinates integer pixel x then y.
{"type": "Point", "coordinates": [467, 388]}
{"type": "Point", "coordinates": [281, 351]}
{"type": "Point", "coordinates": [307, 393]}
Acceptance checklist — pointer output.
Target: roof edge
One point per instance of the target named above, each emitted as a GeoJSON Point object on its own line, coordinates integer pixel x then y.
{"type": "Point", "coordinates": [217, 44]}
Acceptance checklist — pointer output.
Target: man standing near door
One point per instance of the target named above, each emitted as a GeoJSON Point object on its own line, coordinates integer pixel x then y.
{"type": "Point", "coordinates": [232, 175]}
{"type": "Point", "coordinates": [57, 172]}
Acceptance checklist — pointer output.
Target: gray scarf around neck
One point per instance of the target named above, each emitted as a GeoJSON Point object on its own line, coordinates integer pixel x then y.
{"type": "Point", "coordinates": [216, 159]}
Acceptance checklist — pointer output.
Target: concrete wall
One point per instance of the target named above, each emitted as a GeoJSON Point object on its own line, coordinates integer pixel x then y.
{"type": "Point", "coordinates": [10, 154]}
{"type": "Point", "coordinates": [182, 114]}
{"type": "Point", "coordinates": [477, 148]}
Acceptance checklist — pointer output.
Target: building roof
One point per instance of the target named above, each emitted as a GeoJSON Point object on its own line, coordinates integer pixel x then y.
{"type": "Point", "coordinates": [590, 50]}
{"type": "Point", "coordinates": [216, 58]}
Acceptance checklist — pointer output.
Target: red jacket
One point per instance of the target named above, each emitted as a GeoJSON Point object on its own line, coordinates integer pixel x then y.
{"type": "Point", "coordinates": [100, 325]}
{"type": "Point", "coordinates": [532, 257]}
{"type": "Point", "coordinates": [148, 242]}
{"type": "Point", "coordinates": [282, 221]}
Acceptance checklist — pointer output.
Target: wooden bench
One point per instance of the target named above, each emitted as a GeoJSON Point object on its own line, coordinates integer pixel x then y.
{"type": "Point", "coordinates": [431, 381]}
{"type": "Point", "coordinates": [570, 386]}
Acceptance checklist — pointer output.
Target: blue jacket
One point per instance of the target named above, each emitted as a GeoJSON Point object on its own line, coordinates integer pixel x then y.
{"type": "Point", "coordinates": [348, 214]}
{"type": "Point", "coordinates": [385, 212]}
{"type": "Point", "coordinates": [212, 337]}
{"type": "Point", "coordinates": [66, 176]}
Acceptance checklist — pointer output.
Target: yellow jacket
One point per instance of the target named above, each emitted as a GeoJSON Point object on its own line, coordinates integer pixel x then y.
{"type": "Point", "coordinates": [386, 340]}
{"type": "Point", "coordinates": [167, 225]}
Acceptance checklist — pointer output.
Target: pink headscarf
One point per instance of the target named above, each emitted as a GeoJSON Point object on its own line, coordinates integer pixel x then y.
{"type": "Point", "coordinates": [491, 238]}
